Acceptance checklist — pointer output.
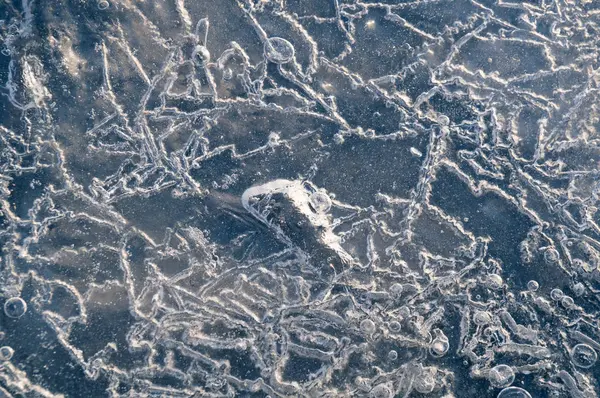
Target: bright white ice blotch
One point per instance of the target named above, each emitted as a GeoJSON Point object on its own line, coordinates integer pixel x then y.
{"type": "Point", "coordinates": [320, 202]}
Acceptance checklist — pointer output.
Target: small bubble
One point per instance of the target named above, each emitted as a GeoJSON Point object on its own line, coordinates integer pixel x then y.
{"type": "Point", "coordinates": [381, 391]}
{"type": "Point", "coordinates": [501, 376]}
{"type": "Point", "coordinates": [15, 307]}
{"type": "Point", "coordinates": [533, 286]}
{"type": "Point", "coordinates": [392, 355]}
{"type": "Point", "coordinates": [404, 312]}
{"type": "Point", "coordinates": [556, 294]}
{"type": "Point", "coordinates": [513, 392]}
{"type": "Point", "coordinates": [203, 53]}
{"type": "Point", "coordinates": [443, 120]}
{"type": "Point", "coordinates": [425, 383]}
{"type": "Point", "coordinates": [367, 326]}
{"type": "Point", "coordinates": [578, 289]}
{"type": "Point", "coordinates": [482, 318]}
{"type": "Point", "coordinates": [494, 281]}
{"type": "Point", "coordinates": [103, 4]}
{"type": "Point", "coordinates": [278, 50]}
{"type": "Point", "coordinates": [6, 353]}
{"type": "Point", "coordinates": [394, 326]}
{"type": "Point", "coordinates": [440, 345]}
{"type": "Point", "coordinates": [320, 202]}
{"type": "Point", "coordinates": [551, 256]}
{"type": "Point", "coordinates": [396, 290]}
{"type": "Point", "coordinates": [583, 356]}
{"type": "Point", "coordinates": [338, 138]}
{"type": "Point", "coordinates": [567, 302]}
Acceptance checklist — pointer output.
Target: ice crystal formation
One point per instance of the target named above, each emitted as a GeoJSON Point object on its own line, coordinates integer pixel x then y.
{"type": "Point", "coordinates": [299, 198]}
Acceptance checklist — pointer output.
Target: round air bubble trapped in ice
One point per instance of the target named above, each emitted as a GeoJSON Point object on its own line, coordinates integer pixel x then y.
{"type": "Point", "coordinates": [278, 50]}
{"type": "Point", "coordinates": [381, 391]}
{"type": "Point", "coordinates": [514, 392]}
{"type": "Point", "coordinates": [501, 376]}
{"type": "Point", "coordinates": [533, 286]}
{"type": "Point", "coordinates": [584, 356]}
{"type": "Point", "coordinates": [15, 307]}
{"type": "Point", "coordinates": [6, 353]}
{"type": "Point", "coordinates": [367, 326]}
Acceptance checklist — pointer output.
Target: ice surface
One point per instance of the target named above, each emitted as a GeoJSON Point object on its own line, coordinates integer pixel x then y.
{"type": "Point", "coordinates": [299, 198]}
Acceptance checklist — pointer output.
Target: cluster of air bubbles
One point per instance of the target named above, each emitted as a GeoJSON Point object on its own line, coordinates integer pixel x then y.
{"type": "Point", "coordinates": [514, 392]}
{"type": "Point", "coordinates": [279, 50]}
{"type": "Point", "coordinates": [6, 353]}
{"type": "Point", "coordinates": [583, 356]}
{"type": "Point", "coordinates": [320, 202]}
{"type": "Point", "coordinates": [501, 376]}
{"type": "Point", "coordinates": [15, 307]}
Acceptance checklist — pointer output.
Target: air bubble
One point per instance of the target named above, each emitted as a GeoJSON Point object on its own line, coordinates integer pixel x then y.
{"type": "Point", "coordinates": [440, 345]}
{"type": "Point", "coordinates": [578, 289]}
{"type": "Point", "coordinates": [320, 202]}
{"type": "Point", "coordinates": [494, 281]}
{"type": "Point", "coordinates": [551, 256]}
{"type": "Point", "coordinates": [103, 5]}
{"type": "Point", "coordinates": [443, 120]}
{"type": "Point", "coordinates": [394, 326]}
{"type": "Point", "coordinates": [396, 290]}
{"type": "Point", "coordinates": [533, 286]}
{"type": "Point", "coordinates": [15, 307]}
{"type": "Point", "coordinates": [482, 318]}
{"type": "Point", "coordinates": [501, 376]}
{"type": "Point", "coordinates": [567, 302]}
{"type": "Point", "coordinates": [425, 383]}
{"type": "Point", "coordinates": [367, 326]}
{"type": "Point", "coordinates": [203, 53]}
{"type": "Point", "coordinates": [381, 391]}
{"type": "Point", "coordinates": [514, 392]}
{"type": "Point", "coordinates": [556, 294]}
{"type": "Point", "coordinates": [6, 353]}
{"type": "Point", "coordinates": [392, 355]}
{"type": "Point", "coordinates": [278, 50]}
{"type": "Point", "coordinates": [583, 356]}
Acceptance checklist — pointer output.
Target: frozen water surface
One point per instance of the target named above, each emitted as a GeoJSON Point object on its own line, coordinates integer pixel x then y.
{"type": "Point", "coordinates": [286, 198]}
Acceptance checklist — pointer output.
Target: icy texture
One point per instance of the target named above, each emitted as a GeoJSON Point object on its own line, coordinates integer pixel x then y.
{"type": "Point", "coordinates": [303, 198]}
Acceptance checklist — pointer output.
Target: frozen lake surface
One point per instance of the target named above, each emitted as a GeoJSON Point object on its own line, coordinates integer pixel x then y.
{"type": "Point", "coordinates": [299, 198]}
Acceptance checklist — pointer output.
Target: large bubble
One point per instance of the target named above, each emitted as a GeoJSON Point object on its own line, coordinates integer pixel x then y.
{"type": "Point", "coordinates": [15, 307]}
